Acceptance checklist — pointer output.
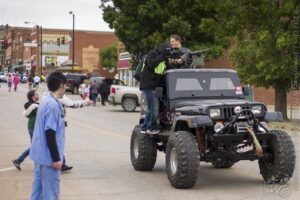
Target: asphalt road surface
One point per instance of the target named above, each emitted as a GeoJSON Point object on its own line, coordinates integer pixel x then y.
{"type": "Point", "coordinates": [97, 146]}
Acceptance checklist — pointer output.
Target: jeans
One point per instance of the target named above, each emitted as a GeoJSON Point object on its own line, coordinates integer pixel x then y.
{"type": "Point", "coordinates": [46, 184]}
{"type": "Point", "coordinates": [26, 152]}
{"type": "Point", "coordinates": [93, 98]}
{"type": "Point", "coordinates": [23, 156]}
{"type": "Point", "coordinates": [152, 111]}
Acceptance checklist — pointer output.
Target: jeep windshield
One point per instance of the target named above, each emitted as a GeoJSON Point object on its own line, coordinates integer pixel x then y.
{"type": "Point", "coordinates": [203, 83]}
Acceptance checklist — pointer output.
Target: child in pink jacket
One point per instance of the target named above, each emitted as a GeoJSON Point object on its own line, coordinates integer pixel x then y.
{"type": "Point", "coordinates": [16, 81]}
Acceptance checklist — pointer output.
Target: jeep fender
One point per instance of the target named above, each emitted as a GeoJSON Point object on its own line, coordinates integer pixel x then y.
{"type": "Point", "coordinates": [183, 122]}
{"type": "Point", "coordinates": [273, 117]}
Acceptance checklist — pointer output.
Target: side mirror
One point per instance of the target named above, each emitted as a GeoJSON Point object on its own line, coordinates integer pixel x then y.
{"type": "Point", "coordinates": [159, 92]}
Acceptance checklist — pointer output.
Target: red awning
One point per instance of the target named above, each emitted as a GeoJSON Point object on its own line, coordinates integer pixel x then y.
{"type": "Point", "coordinates": [124, 64]}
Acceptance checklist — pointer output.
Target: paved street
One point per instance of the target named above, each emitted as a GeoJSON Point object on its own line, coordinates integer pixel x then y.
{"type": "Point", "coordinates": [97, 145]}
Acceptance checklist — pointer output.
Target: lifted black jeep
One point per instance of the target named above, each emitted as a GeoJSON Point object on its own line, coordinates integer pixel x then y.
{"type": "Point", "coordinates": [204, 116]}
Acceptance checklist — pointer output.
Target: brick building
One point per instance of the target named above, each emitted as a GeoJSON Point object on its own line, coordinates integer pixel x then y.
{"type": "Point", "coordinates": [2, 38]}
{"type": "Point", "coordinates": [15, 52]}
{"type": "Point", "coordinates": [55, 50]}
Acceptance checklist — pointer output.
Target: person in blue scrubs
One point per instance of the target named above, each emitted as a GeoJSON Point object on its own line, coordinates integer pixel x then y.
{"type": "Point", "coordinates": [48, 142]}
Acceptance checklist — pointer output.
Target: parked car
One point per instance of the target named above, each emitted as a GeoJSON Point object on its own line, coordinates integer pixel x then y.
{"type": "Point", "coordinates": [3, 77]}
{"type": "Point", "coordinates": [74, 81]}
{"type": "Point", "coordinates": [23, 79]}
{"type": "Point", "coordinates": [128, 97]}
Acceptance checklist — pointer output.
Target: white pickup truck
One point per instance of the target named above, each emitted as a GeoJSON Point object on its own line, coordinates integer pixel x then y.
{"type": "Point", "coordinates": [128, 97]}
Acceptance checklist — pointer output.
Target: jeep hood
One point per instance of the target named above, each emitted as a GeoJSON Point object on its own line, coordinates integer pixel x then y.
{"type": "Point", "coordinates": [200, 106]}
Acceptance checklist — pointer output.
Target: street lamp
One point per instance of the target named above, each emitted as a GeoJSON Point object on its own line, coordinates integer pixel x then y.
{"type": "Point", "coordinates": [41, 45]}
{"type": "Point", "coordinates": [73, 38]}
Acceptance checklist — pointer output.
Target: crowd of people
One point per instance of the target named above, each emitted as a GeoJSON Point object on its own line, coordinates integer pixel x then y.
{"type": "Point", "coordinates": [13, 80]}
{"type": "Point", "coordinates": [92, 90]}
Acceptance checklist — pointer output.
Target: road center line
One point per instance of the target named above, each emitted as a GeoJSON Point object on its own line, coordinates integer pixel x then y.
{"type": "Point", "coordinates": [7, 169]}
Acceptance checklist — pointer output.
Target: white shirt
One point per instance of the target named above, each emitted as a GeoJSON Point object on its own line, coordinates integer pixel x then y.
{"type": "Point", "coordinates": [36, 79]}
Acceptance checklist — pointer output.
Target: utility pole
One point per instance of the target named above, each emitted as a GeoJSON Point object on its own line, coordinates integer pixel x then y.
{"type": "Point", "coordinates": [41, 43]}
{"type": "Point", "coordinates": [73, 39]}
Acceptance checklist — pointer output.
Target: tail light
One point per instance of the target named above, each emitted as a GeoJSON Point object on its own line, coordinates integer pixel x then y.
{"type": "Point", "coordinates": [113, 90]}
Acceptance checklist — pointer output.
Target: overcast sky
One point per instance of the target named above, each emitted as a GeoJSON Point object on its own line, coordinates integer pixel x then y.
{"type": "Point", "coordinates": [53, 14]}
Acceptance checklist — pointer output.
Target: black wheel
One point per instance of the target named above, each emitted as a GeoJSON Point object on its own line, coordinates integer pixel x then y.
{"type": "Point", "coordinates": [279, 168]}
{"type": "Point", "coordinates": [222, 163]}
{"type": "Point", "coordinates": [142, 151]}
{"type": "Point", "coordinates": [75, 90]}
{"type": "Point", "coordinates": [182, 159]}
{"type": "Point", "coordinates": [129, 104]}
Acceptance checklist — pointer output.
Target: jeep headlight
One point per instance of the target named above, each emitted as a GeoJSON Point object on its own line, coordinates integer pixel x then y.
{"type": "Point", "coordinates": [215, 112]}
{"type": "Point", "coordinates": [256, 110]}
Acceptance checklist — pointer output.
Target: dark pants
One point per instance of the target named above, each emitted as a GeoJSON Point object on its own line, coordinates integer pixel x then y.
{"type": "Point", "coordinates": [93, 98]}
{"type": "Point", "coordinates": [103, 98]}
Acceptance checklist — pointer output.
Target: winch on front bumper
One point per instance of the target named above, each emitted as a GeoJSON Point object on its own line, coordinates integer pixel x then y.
{"type": "Point", "coordinates": [245, 130]}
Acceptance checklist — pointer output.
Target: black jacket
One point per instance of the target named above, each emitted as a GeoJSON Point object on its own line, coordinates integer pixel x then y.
{"type": "Point", "coordinates": [176, 54]}
{"type": "Point", "coordinates": [149, 80]}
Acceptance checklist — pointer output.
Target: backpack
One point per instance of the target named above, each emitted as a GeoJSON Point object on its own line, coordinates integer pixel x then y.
{"type": "Point", "coordinates": [139, 68]}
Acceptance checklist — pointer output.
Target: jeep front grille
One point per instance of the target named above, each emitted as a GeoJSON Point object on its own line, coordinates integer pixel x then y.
{"type": "Point", "coordinates": [229, 112]}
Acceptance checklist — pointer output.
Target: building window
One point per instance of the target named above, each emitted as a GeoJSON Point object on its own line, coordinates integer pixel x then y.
{"type": "Point", "coordinates": [45, 46]}
{"type": "Point", "coordinates": [51, 46]}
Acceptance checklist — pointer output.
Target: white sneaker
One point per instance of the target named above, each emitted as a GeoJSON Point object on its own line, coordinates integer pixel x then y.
{"type": "Point", "coordinates": [153, 132]}
{"type": "Point", "coordinates": [143, 132]}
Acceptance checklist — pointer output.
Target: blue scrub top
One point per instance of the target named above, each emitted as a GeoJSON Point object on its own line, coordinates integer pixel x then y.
{"type": "Point", "coordinates": [50, 116]}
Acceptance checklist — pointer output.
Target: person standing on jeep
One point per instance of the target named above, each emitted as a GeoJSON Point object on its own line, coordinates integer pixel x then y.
{"type": "Point", "coordinates": [177, 49]}
{"type": "Point", "coordinates": [151, 75]}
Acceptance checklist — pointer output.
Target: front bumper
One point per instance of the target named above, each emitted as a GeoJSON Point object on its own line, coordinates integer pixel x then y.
{"type": "Point", "coordinates": [238, 138]}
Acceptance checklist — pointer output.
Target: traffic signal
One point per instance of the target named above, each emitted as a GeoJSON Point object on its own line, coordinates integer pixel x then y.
{"type": "Point", "coordinates": [58, 42]}
{"type": "Point", "coordinates": [63, 40]}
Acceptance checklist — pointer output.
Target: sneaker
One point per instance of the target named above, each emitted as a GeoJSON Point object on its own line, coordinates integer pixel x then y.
{"type": "Point", "coordinates": [143, 131]}
{"type": "Point", "coordinates": [17, 165]}
{"type": "Point", "coordinates": [65, 168]}
{"type": "Point", "coordinates": [153, 132]}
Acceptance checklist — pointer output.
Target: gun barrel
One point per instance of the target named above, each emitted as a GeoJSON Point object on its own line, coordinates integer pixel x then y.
{"type": "Point", "coordinates": [208, 49]}
{"type": "Point", "coordinates": [199, 53]}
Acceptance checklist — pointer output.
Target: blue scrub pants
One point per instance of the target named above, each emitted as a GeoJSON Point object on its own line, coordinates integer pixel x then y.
{"type": "Point", "coordinates": [46, 183]}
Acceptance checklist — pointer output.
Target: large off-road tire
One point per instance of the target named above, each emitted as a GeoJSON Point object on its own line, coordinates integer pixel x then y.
{"type": "Point", "coordinates": [143, 151]}
{"type": "Point", "coordinates": [222, 163]}
{"type": "Point", "coordinates": [281, 167]}
{"type": "Point", "coordinates": [129, 104]}
{"type": "Point", "coordinates": [182, 159]}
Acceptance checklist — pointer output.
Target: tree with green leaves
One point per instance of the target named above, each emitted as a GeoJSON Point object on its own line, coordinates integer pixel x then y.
{"type": "Point", "coordinates": [262, 30]}
{"type": "Point", "coordinates": [109, 57]}
{"type": "Point", "coordinates": [142, 24]}
{"type": "Point", "coordinates": [265, 41]}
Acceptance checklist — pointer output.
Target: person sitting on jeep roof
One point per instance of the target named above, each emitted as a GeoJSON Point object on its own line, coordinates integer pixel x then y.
{"type": "Point", "coordinates": [151, 75]}
{"type": "Point", "coordinates": [177, 51]}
